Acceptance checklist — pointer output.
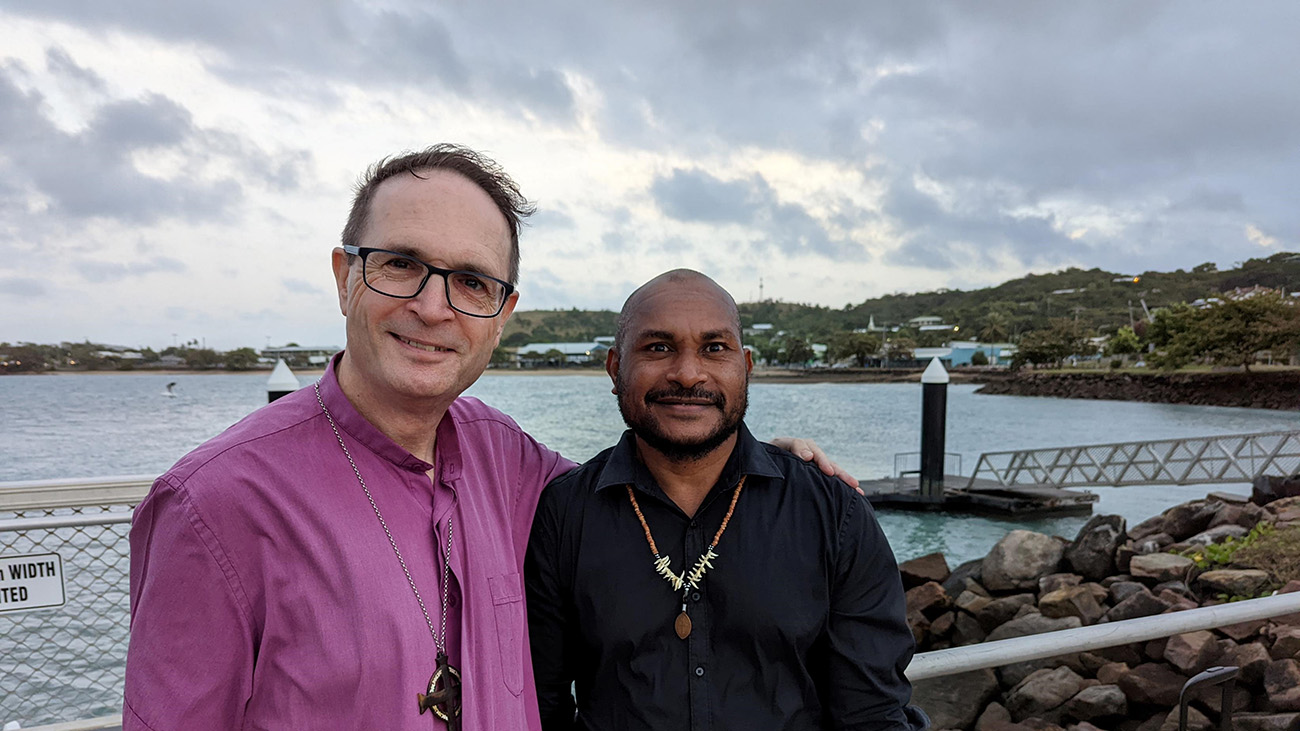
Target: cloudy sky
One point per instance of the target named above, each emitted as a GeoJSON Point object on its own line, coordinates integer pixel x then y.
{"type": "Point", "coordinates": [173, 171]}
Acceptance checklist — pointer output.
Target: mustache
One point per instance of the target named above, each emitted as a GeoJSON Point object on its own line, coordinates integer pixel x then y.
{"type": "Point", "coordinates": [694, 393]}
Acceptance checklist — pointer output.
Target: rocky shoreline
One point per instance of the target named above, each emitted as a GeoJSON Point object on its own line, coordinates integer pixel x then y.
{"type": "Point", "coordinates": [1031, 583]}
{"type": "Point", "coordinates": [1256, 390]}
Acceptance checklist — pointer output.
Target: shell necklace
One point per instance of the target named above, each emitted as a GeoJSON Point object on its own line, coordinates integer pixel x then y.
{"type": "Point", "coordinates": [686, 580]}
{"type": "Point", "coordinates": [443, 694]}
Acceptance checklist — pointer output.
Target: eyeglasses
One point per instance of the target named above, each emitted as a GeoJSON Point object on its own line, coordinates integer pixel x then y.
{"type": "Point", "coordinates": [398, 275]}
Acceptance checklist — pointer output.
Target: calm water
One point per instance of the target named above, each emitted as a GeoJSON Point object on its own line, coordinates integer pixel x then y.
{"type": "Point", "coordinates": [122, 424]}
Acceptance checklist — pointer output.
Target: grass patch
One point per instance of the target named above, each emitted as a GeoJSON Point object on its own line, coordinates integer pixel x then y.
{"type": "Point", "coordinates": [1228, 552]}
{"type": "Point", "coordinates": [1276, 551]}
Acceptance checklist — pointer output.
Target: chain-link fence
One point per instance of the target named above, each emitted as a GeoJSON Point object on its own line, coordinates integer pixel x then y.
{"type": "Point", "coordinates": [66, 663]}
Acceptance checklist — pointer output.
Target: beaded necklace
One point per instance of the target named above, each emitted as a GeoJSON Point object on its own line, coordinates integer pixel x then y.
{"type": "Point", "coordinates": [685, 581]}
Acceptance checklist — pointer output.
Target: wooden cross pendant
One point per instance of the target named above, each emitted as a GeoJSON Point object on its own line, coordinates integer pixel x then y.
{"type": "Point", "coordinates": [444, 693]}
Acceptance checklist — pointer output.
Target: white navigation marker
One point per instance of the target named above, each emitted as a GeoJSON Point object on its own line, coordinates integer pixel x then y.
{"type": "Point", "coordinates": [934, 373]}
{"type": "Point", "coordinates": [282, 382]}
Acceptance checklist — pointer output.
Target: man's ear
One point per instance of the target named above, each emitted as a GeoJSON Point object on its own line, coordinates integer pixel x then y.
{"type": "Point", "coordinates": [504, 317]}
{"type": "Point", "coordinates": [611, 367]}
{"type": "Point", "coordinates": [749, 360]}
{"type": "Point", "coordinates": [342, 268]}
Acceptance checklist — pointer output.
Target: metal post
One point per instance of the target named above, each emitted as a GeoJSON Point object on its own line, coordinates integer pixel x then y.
{"type": "Point", "coordinates": [934, 412]}
{"type": "Point", "coordinates": [281, 383]}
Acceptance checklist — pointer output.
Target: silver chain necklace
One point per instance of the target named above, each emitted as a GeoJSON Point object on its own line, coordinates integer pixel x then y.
{"type": "Point", "coordinates": [443, 695]}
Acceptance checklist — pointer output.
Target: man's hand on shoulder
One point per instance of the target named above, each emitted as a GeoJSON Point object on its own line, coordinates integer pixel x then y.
{"type": "Point", "coordinates": [808, 451]}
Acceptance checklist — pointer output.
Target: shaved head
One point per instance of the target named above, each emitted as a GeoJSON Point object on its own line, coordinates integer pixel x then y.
{"type": "Point", "coordinates": [683, 278]}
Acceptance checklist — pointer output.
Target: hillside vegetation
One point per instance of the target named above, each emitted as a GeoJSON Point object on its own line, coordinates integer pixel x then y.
{"type": "Point", "coordinates": [1099, 304]}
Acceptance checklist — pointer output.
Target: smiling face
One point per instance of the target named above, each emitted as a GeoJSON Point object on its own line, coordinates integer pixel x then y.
{"type": "Point", "coordinates": [679, 369]}
{"type": "Point", "coordinates": [419, 353]}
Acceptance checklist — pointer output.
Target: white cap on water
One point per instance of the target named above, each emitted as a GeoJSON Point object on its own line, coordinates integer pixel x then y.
{"type": "Point", "coordinates": [282, 379]}
{"type": "Point", "coordinates": [934, 373]}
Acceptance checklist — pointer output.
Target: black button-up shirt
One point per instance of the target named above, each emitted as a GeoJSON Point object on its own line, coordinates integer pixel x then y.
{"type": "Point", "coordinates": [800, 624]}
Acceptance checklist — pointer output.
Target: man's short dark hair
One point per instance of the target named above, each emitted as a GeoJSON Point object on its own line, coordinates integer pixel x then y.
{"type": "Point", "coordinates": [475, 167]}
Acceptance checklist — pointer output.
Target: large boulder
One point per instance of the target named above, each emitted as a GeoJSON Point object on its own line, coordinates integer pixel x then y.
{"type": "Point", "coordinates": [1252, 658]}
{"type": "Point", "coordinates": [1160, 567]}
{"type": "Point", "coordinates": [1186, 520]}
{"type": "Point", "coordinates": [1000, 611]}
{"type": "Point", "coordinates": [1217, 534]}
{"type": "Point", "coordinates": [1233, 582]}
{"type": "Point", "coordinates": [1140, 604]}
{"type": "Point", "coordinates": [1266, 722]}
{"type": "Point", "coordinates": [1121, 590]}
{"type": "Point", "coordinates": [956, 582]}
{"type": "Point", "coordinates": [1286, 642]}
{"type": "Point", "coordinates": [1196, 721]}
{"type": "Point", "coordinates": [1092, 555]}
{"type": "Point", "coordinates": [1033, 624]}
{"type": "Point", "coordinates": [1098, 701]}
{"type": "Point", "coordinates": [1282, 685]}
{"type": "Point", "coordinates": [928, 599]}
{"type": "Point", "coordinates": [930, 567]}
{"type": "Point", "coordinates": [1052, 582]}
{"type": "Point", "coordinates": [955, 701]}
{"type": "Point", "coordinates": [1043, 691]}
{"type": "Point", "coordinates": [1071, 601]}
{"type": "Point", "coordinates": [1192, 652]}
{"type": "Point", "coordinates": [1019, 559]}
{"type": "Point", "coordinates": [1152, 683]}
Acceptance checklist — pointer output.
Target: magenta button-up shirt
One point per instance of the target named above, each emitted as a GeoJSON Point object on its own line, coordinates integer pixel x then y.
{"type": "Point", "coordinates": [265, 595]}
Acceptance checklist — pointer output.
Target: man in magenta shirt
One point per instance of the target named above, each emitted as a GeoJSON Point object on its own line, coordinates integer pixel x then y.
{"type": "Point", "coordinates": [349, 557]}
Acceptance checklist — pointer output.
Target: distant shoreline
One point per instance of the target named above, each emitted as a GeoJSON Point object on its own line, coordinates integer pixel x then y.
{"type": "Point", "coordinates": [765, 375]}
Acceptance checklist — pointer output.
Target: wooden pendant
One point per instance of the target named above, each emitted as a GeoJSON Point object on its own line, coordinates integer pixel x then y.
{"type": "Point", "coordinates": [683, 626]}
{"type": "Point", "coordinates": [444, 693]}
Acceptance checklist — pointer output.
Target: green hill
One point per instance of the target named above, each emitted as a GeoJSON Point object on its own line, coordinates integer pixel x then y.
{"type": "Point", "coordinates": [1016, 306]}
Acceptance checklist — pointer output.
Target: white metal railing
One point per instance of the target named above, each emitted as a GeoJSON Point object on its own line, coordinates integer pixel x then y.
{"type": "Point", "coordinates": [74, 493]}
{"type": "Point", "coordinates": [1199, 460]}
{"type": "Point", "coordinates": [1094, 637]}
{"type": "Point", "coordinates": [82, 644]}
{"type": "Point", "coordinates": [111, 497]}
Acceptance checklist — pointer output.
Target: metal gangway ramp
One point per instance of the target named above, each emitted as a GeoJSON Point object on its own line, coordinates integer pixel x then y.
{"type": "Point", "coordinates": [1197, 460]}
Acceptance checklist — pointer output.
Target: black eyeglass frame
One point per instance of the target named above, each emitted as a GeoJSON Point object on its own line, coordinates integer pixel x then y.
{"type": "Point", "coordinates": [430, 270]}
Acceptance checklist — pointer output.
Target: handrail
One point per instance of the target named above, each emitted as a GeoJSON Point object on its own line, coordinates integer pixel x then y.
{"type": "Point", "coordinates": [73, 493]}
{"type": "Point", "coordinates": [50, 522]}
{"type": "Point", "coordinates": [1094, 637]}
{"type": "Point", "coordinates": [1222, 458]}
{"type": "Point", "coordinates": [103, 723]}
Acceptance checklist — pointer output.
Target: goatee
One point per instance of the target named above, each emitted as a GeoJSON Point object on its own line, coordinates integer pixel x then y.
{"type": "Point", "coordinates": [648, 429]}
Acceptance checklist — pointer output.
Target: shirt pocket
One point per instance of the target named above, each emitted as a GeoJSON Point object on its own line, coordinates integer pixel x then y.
{"type": "Point", "coordinates": [508, 607]}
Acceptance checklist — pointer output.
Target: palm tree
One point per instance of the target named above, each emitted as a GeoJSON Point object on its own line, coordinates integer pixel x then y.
{"type": "Point", "coordinates": [995, 327]}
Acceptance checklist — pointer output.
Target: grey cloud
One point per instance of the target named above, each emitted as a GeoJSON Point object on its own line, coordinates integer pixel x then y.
{"type": "Point", "coordinates": [90, 173]}
{"type": "Point", "coordinates": [61, 64]}
{"type": "Point", "coordinates": [112, 271]}
{"type": "Point", "coordinates": [694, 195]}
{"type": "Point", "coordinates": [22, 287]}
{"type": "Point", "coordinates": [550, 218]}
{"type": "Point", "coordinates": [935, 237]}
{"type": "Point", "coordinates": [301, 286]}
{"type": "Point", "coordinates": [1177, 117]}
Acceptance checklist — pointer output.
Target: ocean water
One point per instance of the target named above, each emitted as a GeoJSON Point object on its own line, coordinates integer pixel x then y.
{"type": "Point", "coordinates": [93, 425]}
{"type": "Point", "coordinates": [67, 664]}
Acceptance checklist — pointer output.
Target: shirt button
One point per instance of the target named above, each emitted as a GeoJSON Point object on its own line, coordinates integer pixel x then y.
{"type": "Point", "coordinates": [692, 524]}
{"type": "Point", "coordinates": [695, 596]}
{"type": "Point", "coordinates": [699, 671]}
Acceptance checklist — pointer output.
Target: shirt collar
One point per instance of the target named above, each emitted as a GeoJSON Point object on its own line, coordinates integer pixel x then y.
{"type": "Point", "coordinates": [749, 457]}
{"type": "Point", "coordinates": [351, 421]}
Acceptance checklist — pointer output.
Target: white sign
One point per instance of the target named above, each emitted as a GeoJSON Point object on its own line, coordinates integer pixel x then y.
{"type": "Point", "coordinates": [34, 581]}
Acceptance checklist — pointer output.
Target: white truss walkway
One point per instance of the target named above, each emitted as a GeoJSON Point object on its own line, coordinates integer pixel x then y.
{"type": "Point", "coordinates": [1198, 460]}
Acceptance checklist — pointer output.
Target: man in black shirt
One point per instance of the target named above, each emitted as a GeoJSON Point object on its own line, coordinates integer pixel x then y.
{"type": "Point", "coordinates": [693, 578]}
